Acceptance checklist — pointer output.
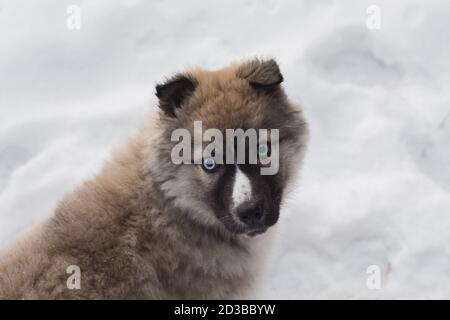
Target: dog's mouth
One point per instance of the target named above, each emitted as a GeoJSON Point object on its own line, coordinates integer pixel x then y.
{"type": "Point", "coordinates": [247, 231]}
{"type": "Point", "coordinates": [239, 228]}
{"type": "Point", "coordinates": [255, 232]}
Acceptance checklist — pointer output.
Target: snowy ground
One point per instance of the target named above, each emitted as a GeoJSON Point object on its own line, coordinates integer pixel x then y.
{"type": "Point", "coordinates": [375, 188]}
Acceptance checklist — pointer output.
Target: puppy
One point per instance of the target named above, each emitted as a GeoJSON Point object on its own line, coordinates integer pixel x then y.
{"type": "Point", "coordinates": [150, 227]}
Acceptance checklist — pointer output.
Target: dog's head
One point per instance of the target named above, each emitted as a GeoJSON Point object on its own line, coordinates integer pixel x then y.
{"type": "Point", "coordinates": [239, 140]}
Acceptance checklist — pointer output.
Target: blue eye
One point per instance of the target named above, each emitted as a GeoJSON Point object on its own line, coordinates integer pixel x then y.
{"type": "Point", "coordinates": [209, 165]}
{"type": "Point", "coordinates": [264, 150]}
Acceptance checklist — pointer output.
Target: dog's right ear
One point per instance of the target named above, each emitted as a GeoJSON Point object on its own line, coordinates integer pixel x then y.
{"type": "Point", "coordinates": [261, 73]}
{"type": "Point", "coordinates": [174, 92]}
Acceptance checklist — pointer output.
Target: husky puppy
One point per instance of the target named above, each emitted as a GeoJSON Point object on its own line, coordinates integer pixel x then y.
{"type": "Point", "coordinates": [147, 228]}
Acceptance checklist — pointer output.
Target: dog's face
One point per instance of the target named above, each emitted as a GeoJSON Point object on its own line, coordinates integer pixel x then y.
{"type": "Point", "coordinates": [220, 189]}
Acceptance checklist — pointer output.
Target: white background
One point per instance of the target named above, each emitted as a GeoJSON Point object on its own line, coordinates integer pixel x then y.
{"type": "Point", "coordinates": [376, 179]}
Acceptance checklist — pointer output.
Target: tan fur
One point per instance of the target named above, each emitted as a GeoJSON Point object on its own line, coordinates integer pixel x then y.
{"type": "Point", "coordinates": [128, 242]}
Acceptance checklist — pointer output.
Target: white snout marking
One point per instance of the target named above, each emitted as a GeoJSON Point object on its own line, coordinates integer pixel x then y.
{"type": "Point", "coordinates": [242, 188]}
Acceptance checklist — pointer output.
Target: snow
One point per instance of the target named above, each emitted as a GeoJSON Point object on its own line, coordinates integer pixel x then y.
{"type": "Point", "coordinates": [375, 183]}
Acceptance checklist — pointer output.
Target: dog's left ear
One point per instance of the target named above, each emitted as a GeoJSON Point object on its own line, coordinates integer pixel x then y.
{"type": "Point", "coordinates": [261, 73]}
{"type": "Point", "coordinates": [174, 92]}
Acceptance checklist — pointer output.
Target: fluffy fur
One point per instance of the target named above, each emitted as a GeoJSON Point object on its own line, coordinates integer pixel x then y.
{"type": "Point", "coordinates": [147, 228]}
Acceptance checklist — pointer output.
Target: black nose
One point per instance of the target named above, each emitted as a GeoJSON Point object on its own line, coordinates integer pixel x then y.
{"type": "Point", "coordinates": [251, 213]}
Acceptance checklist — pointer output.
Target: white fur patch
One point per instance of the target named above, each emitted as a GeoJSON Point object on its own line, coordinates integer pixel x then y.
{"type": "Point", "coordinates": [242, 188]}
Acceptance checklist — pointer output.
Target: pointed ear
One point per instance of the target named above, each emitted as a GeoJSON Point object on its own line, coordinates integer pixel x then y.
{"type": "Point", "coordinates": [174, 92]}
{"type": "Point", "coordinates": [261, 73]}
